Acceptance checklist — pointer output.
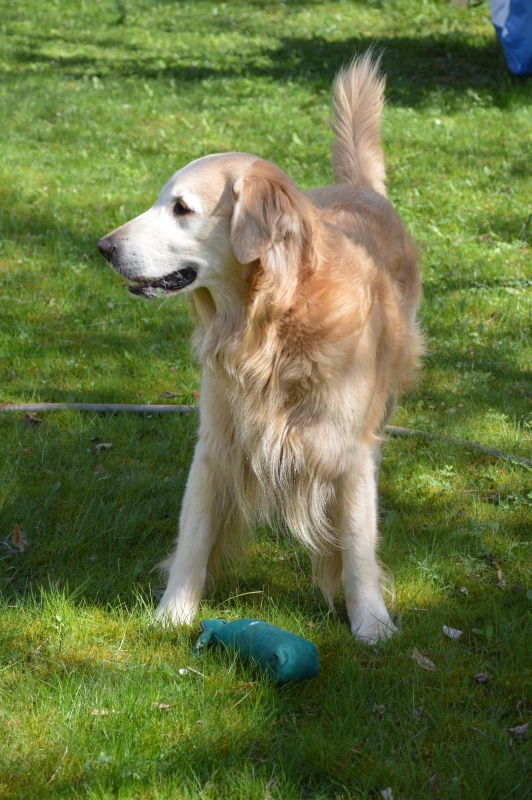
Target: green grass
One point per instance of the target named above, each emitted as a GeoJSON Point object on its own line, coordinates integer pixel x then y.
{"type": "Point", "coordinates": [100, 102]}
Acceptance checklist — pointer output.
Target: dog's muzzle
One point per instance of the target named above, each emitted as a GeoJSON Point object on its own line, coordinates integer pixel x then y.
{"type": "Point", "coordinates": [147, 287]}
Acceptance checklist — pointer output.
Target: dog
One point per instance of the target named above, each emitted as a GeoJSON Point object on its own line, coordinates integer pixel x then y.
{"type": "Point", "coordinates": [304, 307]}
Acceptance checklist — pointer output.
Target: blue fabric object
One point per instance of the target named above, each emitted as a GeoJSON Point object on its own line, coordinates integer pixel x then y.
{"type": "Point", "coordinates": [282, 655]}
{"type": "Point", "coordinates": [512, 20]}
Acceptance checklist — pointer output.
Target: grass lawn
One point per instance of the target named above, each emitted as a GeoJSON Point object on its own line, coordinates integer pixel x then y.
{"type": "Point", "coordinates": [101, 101]}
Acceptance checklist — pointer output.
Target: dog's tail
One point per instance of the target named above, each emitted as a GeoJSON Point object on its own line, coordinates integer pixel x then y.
{"type": "Point", "coordinates": [357, 156]}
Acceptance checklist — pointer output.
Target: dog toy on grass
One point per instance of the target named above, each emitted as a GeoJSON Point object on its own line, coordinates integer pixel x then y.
{"type": "Point", "coordinates": [282, 655]}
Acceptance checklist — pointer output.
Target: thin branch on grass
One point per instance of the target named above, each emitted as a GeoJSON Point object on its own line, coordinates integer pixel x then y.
{"type": "Point", "coordinates": [393, 430]}
{"type": "Point", "coordinates": [485, 734]}
{"type": "Point", "coordinates": [118, 408]}
{"type": "Point", "coordinates": [99, 408]}
{"type": "Point", "coordinates": [196, 671]}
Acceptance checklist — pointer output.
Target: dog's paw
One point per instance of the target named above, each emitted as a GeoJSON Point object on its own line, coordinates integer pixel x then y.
{"type": "Point", "coordinates": [172, 613]}
{"type": "Point", "coordinates": [372, 628]}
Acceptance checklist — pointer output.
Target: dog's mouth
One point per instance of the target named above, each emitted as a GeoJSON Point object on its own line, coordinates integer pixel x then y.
{"type": "Point", "coordinates": [147, 287]}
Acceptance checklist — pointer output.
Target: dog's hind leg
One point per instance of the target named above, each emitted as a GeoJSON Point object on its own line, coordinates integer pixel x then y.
{"type": "Point", "coordinates": [327, 572]}
{"type": "Point", "coordinates": [231, 540]}
{"type": "Point", "coordinates": [202, 518]}
{"type": "Point", "coordinates": [361, 575]}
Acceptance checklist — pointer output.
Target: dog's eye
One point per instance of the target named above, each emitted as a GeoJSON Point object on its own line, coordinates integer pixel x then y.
{"type": "Point", "coordinates": [180, 209]}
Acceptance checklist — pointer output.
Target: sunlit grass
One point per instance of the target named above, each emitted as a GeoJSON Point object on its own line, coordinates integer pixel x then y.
{"type": "Point", "coordinates": [101, 102]}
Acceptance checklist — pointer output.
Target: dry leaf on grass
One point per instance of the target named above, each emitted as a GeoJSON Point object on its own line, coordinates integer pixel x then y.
{"type": "Point", "coordinates": [423, 661]}
{"type": "Point", "coordinates": [104, 446]}
{"type": "Point", "coordinates": [452, 633]}
{"type": "Point", "coordinates": [18, 540]}
{"type": "Point", "coordinates": [100, 712]}
{"type": "Point", "coordinates": [387, 794]}
{"type": "Point", "coordinates": [520, 731]}
{"type": "Point", "coordinates": [161, 706]}
{"type": "Point", "coordinates": [482, 677]}
{"type": "Point", "coordinates": [463, 590]}
{"type": "Point", "coordinates": [500, 580]}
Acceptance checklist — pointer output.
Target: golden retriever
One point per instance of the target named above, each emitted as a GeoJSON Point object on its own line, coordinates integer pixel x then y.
{"type": "Point", "coordinates": [304, 307]}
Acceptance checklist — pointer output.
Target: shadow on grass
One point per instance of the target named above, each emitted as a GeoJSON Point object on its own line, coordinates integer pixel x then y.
{"type": "Point", "coordinates": [460, 67]}
{"type": "Point", "coordinates": [326, 738]}
{"type": "Point", "coordinates": [87, 316]}
{"type": "Point", "coordinates": [318, 739]}
{"type": "Point", "coordinates": [512, 227]}
{"type": "Point", "coordinates": [102, 522]}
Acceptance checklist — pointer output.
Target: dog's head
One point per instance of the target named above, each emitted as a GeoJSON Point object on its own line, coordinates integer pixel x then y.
{"type": "Point", "coordinates": [212, 219]}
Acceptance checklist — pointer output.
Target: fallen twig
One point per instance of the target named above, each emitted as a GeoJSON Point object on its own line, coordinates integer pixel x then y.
{"type": "Point", "coordinates": [485, 734]}
{"type": "Point", "coordinates": [394, 430]}
{"type": "Point", "coordinates": [101, 408]}
{"type": "Point", "coordinates": [191, 669]}
{"type": "Point", "coordinates": [118, 408]}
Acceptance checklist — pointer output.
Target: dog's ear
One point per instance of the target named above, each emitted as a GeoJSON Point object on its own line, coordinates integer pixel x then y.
{"type": "Point", "coordinates": [267, 219]}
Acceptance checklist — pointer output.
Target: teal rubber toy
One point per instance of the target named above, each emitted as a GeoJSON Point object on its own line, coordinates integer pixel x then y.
{"type": "Point", "coordinates": [282, 655]}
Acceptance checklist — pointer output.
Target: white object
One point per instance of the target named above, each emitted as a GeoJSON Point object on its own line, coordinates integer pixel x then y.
{"type": "Point", "coordinates": [452, 633]}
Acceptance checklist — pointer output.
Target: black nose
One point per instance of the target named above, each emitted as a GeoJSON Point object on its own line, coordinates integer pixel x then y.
{"type": "Point", "coordinates": [106, 248]}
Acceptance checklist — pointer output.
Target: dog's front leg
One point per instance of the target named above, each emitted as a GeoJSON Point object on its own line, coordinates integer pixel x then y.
{"type": "Point", "coordinates": [198, 525]}
{"type": "Point", "coordinates": [367, 612]}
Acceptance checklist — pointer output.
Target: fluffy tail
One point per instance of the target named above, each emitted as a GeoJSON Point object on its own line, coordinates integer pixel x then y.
{"type": "Point", "coordinates": [357, 155]}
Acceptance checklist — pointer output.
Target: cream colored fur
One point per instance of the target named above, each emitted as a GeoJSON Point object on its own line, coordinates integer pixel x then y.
{"type": "Point", "coordinates": [304, 308]}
